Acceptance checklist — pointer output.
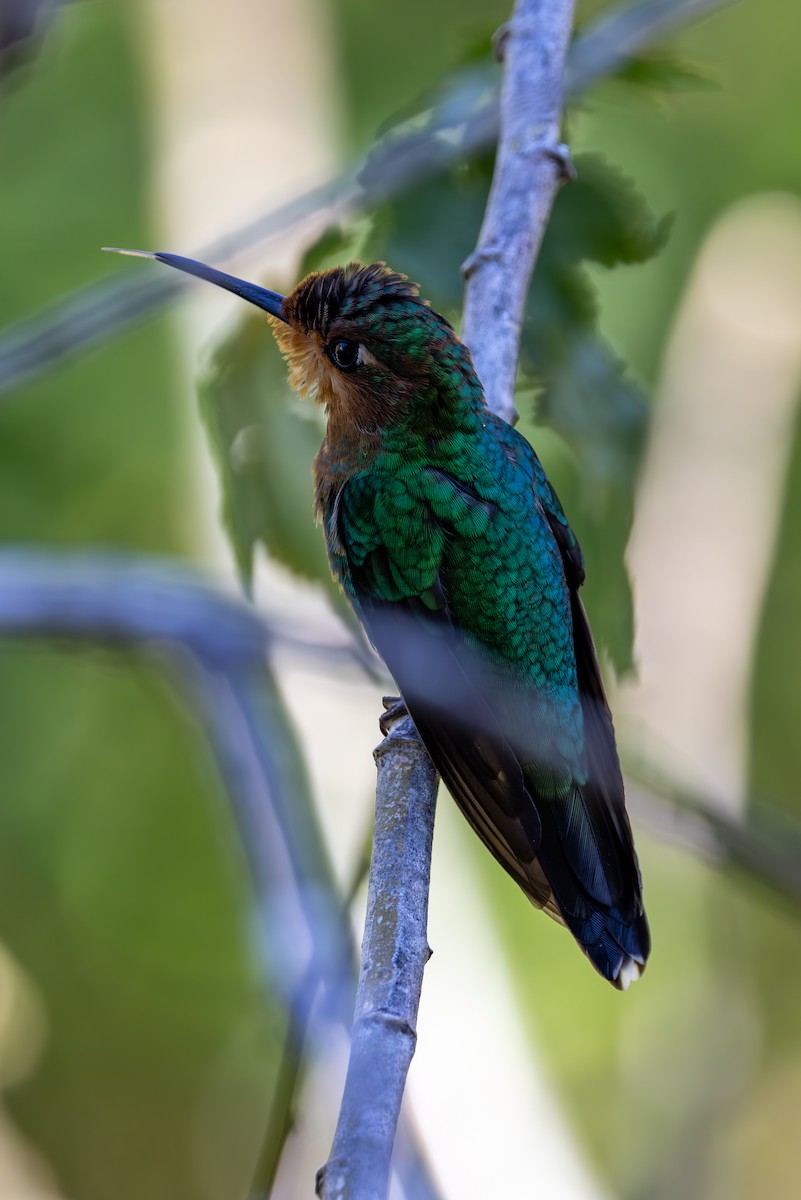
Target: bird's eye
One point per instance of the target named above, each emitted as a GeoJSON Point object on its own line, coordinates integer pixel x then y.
{"type": "Point", "coordinates": [344, 354]}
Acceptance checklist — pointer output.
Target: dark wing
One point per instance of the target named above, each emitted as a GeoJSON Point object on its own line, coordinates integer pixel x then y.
{"type": "Point", "coordinates": [411, 625]}
{"type": "Point", "coordinates": [625, 926]}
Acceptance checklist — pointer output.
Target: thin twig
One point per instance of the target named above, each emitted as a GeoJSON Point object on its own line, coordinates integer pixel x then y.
{"type": "Point", "coordinates": [118, 596]}
{"type": "Point", "coordinates": [93, 315]}
{"type": "Point", "coordinates": [106, 596]}
{"type": "Point", "coordinates": [764, 844]}
{"type": "Point", "coordinates": [394, 953]}
{"type": "Point", "coordinates": [529, 166]}
{"type": "Point", "coordinates": [620, 34]}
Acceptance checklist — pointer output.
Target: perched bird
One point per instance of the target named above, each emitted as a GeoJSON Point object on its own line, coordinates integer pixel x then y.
{"type": "Point", "coordinates": [453, 549]}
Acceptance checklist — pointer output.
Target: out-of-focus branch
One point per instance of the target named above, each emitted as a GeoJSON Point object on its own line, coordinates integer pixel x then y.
{"type": "Point", "coordinates": [621, 33]}
{"type": "Point", "coordinates": [125, 598]}
{"type": "Point", "coordinates": [765, 847]}
{"type": "Point", "coordinates": [528, 169]}
{"type": "Point", "coordinates": [101, 310]}
{"type": "Point", "coordinates": [394, 953]}
{"type": "Point", "coordinates": [111, 597]}
{"type": "Point", "coordinates": [215, 646]}
{"type": "Point", "coordinates": [92, 316]}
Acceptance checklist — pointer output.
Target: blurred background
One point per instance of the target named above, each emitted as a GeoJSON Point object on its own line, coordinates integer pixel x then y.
{"type": "Point", "coordinates": [144, 1046]}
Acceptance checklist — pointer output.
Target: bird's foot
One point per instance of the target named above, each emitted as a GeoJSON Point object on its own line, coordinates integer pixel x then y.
{"type": "Point", "coordinates": [395, 708]}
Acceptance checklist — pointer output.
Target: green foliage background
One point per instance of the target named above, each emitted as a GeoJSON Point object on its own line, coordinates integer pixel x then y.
{"type": "Point", "coordinates": [122, 890]}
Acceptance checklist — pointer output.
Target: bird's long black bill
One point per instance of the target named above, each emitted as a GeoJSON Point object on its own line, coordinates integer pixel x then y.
{"type": "Point", "coordinates": [262, 297]}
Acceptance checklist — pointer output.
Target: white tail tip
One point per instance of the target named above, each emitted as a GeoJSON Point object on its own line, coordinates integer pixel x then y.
{"type": "Point", "coordinates": [630, 971]}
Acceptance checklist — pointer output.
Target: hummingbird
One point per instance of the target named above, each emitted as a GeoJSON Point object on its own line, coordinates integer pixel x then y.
{"type": "Point", "coordinates": [451, 545]}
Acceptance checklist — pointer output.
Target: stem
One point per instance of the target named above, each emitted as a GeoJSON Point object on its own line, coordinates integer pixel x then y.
{"type": "Point", "coordinates": [394, 953]}
{"type": "Point", "coordinates": [528, 170]}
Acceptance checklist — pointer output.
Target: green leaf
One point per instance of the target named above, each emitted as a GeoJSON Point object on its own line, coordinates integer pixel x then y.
{"type": "Point", "coordinates": [335, 245]}
{"type": "Point", "coordinates": [603, 218]}
{"type": "Point", "coordinates": [264, 441]}
{"type": "Point", "coordinates": [429, 231]}
{"type": "Point", "coordinates": [264, 446]}
{"type": "Point", "coordinates": [665, 73]}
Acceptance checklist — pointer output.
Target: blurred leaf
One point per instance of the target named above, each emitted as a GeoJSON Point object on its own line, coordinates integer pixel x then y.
{"type": "Point", "coordinates": [336, 244]}
{"type": "Point", "coordinates": [264, 447]}
{"type": "Point", "coordinates": [665, 73]}
{"type": "Point", "coordinates": [265, 441]}
{"type": "Point", "coordinates": [423, 140]}
{"type": "Point", "coordinates": [428, 231]}
{"type": "Point", "coordinates": [22, 26]}
{"type": "Point", "coordinates": [603, 218]}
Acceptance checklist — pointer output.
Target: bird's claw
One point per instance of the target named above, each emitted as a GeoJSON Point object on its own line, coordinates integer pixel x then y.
{"type": "Point", "coordinates": [395, 708]}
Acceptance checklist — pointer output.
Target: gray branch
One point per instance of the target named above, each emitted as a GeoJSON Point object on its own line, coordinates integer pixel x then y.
{"type": "Point", "coordinates": [93, 315]}
{"type": "Point", "coordinates": [394, 953]}
{"type": "Point", "coordinates": [531, 162]}
{"type": "Point", "coordinates": [529, 166]}
{"type": "Point", "coordinates": [125, 598]}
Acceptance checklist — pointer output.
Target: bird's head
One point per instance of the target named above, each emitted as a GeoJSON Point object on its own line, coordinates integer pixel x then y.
{"type": "Point", "coordinates": [359, 339]}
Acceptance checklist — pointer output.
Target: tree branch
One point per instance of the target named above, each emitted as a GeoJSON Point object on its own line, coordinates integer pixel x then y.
{"type": "Point", "coordinates": [394, 953]}
{"type": "Point", "coordinates": [529, 166]}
